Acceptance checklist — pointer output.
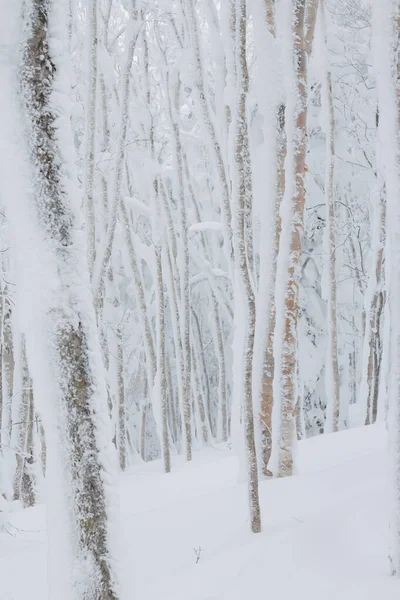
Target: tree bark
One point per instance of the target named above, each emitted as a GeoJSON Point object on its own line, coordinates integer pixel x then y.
{"type": "Point", "coordinates": [74, 394]}
{"type": "Point", "coordinates": [243, 193]}
{"type": "Point", "coordinates": [290, 250]}
{"type": "Point", "coordinates": [333, 388]}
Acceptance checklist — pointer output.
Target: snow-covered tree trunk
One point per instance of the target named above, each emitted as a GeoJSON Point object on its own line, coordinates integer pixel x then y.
{"type": "Point", "coordinates": [375, 302]}
{"type": "Point", "coordinates": [290, 249]}
{"type": "Point", "coordinates": [183, 271]}
{"type": "Point", "coordinates": [386, 39]}
{"type": "Point", "coordinates": [121, 443]}
{"type": "Point", "coordinates": [62, 341]}
{"type": "Point", "coordinates": [332, 366]}
{"type": "Point", "coordinates": [246, 301]}
{"type": "Point", "coordinates": [7, 367]}
{"type": "Point", "coordinates": [267, 396]}
{"type": "Point", "coordinates": [24, 486]}
{"type": "Point", "coordinates": [91, 134]}
{"type": "Point", "coordinates": [161, 363]}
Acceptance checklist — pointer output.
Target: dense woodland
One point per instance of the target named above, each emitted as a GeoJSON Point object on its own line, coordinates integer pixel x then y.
{"type": "Point", "coordinates": [199, 237]}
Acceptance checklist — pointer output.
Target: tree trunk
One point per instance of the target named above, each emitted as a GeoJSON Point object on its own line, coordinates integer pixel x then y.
{"type": "Point", "coordinates": [373, 353]}
{"type": "Point", "coordinates": [63, 341]}
{"type": "Point", "coordinates": [161, 364]}
{"type": "Point", "coordinates": [91, 135]}
{"type": "Point", "coordinates": [386, 29]}
{"type": "Point", "coordinates": [290, 250]}
{"type": "Point", "coordinates": [121, 444]}
{"type": "Point", "coordinates": [243, 197]}
{"type": "Point", "coordinates": [332, 381]}
{"type": "Point", "coordinates": [267, 396]}
{"type": "Point", "coordinates": [24, 487]}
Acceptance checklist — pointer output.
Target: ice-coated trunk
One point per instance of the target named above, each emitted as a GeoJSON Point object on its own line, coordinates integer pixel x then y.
{"type": "Point", "coordinates": [386, 43]}
{"type": "Point", "coordinates": [246, 301]}
{"type": "Point", "coordinates": [290, 249]}
{"type": "Point", "coordinates": [332, 366]}
{"type": "Point", "coordinates": [62, 341]}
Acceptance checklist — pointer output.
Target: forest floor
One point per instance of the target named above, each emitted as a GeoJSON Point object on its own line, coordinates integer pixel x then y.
{"type": "Point", "coordinates": [185, 535]}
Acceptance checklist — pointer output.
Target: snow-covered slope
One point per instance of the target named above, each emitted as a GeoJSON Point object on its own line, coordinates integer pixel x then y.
{"type": "Point", "coordinates": [324, 532]}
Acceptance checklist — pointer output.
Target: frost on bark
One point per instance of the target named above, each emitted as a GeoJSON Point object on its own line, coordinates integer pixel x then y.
{"type": "Point", "coordinates": [376, 296]}
{"type": "Point", "coordinates": [91, 136]}
{"type": "Point", "coordinates": [121, 403]}
{"type": "Point", "coordinates": [7, 367]}
{"type": "Point", "coordinates": [243, 201]}
{"type": "Point", "coordinates": [290, 250]}
{"type": "Point", "coordinates": [270, 15]}
{"type": "Point", "coordinates": [183, 257]}
{"type": "Point", "coordinates": [24, 485]}
{"type": "Point", "coordinates": [386, 52]}
{"type": "Point", "coordinates": [71, 347]}
{"type": "Point", "coordinates": [267, 394]}
{"type": "Point", "coordinates": [218, 334]}
{"type": "Point", "coordinates": [333, 391]}
{"type": "Point", "coordinates": [161, 364]}
{"type": "Point", "coordinates": [310, 19]}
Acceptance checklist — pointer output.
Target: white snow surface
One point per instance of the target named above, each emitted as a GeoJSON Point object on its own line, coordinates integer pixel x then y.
{"type": "Point", "coordinates": [325, 531]}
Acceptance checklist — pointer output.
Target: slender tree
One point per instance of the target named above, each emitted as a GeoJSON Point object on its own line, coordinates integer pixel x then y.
{"type": "Point", "coordinates": [290, 249]}
{"type": "Point", "coordinates": [246, 301]}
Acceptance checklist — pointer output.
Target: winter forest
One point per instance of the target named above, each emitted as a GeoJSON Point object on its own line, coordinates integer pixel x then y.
{"type": "Point", "coordinates": [199, 299]}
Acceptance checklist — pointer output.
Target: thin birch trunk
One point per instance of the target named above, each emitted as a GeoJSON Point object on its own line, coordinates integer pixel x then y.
{"type": "Point", "coordinates": [23, 483]}
{"type": "Point", "coordinates": [204, 371]}
{"type": "Point", "coordinates": [183, 255]}
{"type": "Point", "coordinates": [198, 395]}
{"type": "Point", "coordinates": [333, 388]}
{"type": "Point", "coordinates": [7, 365]}
{"type": "Point", "coordinates": [386, 39]}
{"type": "Point", "coordinates": [267, 395]}
{"type": "Point", "coordinates": [243, 190]}
{"type": "Point", "coordinates": [290, 250]}
{"type": "Point", "coordinates": [161, 364]}
{"type": "Point", "coordinates": [371, 370]}
{"type": "Point", "coordinates": [121, 444]}
{"type": "Point", "coordinates": [91, 135]}
{"type": "Point", "coordinates": [173, 425]}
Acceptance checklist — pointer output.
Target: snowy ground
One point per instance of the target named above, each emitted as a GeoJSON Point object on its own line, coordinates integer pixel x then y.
{"type": "Point", "coordinates": [324, 532]}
